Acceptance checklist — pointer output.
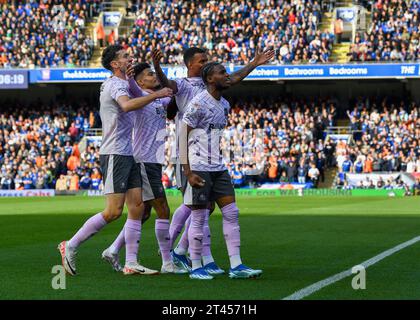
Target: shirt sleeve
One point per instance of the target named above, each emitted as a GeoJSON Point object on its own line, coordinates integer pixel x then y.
{"type": "Point", "coordinates": [182, 86]}
{"type": "Point", "coordinates": [166, 101]}
{"type": "Point", "coordinates": [134, 88]}
{"type": "Point", "coordinates": [119, 89]}
{"type": "Point", "coordinates": [193, 115]}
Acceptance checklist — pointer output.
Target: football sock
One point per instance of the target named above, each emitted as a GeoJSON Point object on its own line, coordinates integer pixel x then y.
{"type": "Point", "coordinates": [231, 232]}
{"type": "Point", "coordinates": [91, 226]}
{"type": "Point", "coordinates": [206, 252]}
{"type": "Point", "coordinates": [179, 217]}
{"type": "Point", "coordinates": [132, 233]}
{"type": "Point", "coordinates": [118, 243]}
{"type": "Point", "coordinates": [182, 246]}
{"type": "Point", "coordinates": [162, 236]}
{"type": "Point", "coordinates": [195, 235]}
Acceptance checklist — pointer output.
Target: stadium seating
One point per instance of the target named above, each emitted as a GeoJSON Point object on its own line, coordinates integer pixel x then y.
{"type": "Point", "coordinates": [266, 141]}
{"type": "Point", "coordinates": [393, 35]}
{"type": "Point", "coordinates": [46, 33]}
{"type": "Point", "coordinates": [289, 27]}
{"type": "Point", "coordinates": [39, 145]}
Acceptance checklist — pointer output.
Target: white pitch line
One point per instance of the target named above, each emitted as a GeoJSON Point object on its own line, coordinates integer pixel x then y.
{"type": "Point", "coordinates": [339, 276]}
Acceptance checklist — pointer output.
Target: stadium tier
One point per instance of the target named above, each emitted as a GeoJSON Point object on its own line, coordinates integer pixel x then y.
{"type": "Point", "coordinates": [393, 35]}
{"type": "Point", "coordinates": [283, 138]}
{"type": "Point", "coordinates": [46, 33]}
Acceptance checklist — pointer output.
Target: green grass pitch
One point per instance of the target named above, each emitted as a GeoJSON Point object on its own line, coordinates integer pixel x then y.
{"type": "Point", "coordinates": [297, 241]}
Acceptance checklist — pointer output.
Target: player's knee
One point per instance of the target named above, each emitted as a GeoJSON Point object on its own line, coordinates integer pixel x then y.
{"type": "Point", "coordinates": [230, 213]}
{"type": "Point", "coordinates": [113, 213]}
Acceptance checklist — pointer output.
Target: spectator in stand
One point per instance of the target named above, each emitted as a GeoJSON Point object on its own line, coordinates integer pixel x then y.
{"type": "Point", "coordinates": [338, 29]}
{"type": "Point", "coordinates": [347, 165]}
{"type": "Point", "coordinates": [302, 172]}
{"type": "Point", "coordinates": [416, 187]}
{"type": "Point", "coordinates": [61, 184]}
{"type": "Point", "coordinates": [238, 177]}
{"type": "Point", "coordinates": [313, 174]}
{"type": "Point", "coordinates": [74, 182]}
{"type": "Point", "coordinates": [85, 182]}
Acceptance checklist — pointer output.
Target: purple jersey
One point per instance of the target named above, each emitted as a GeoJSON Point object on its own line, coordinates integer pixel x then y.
{"type": "Point", "coordinates": [150, 131]}
{"type": "Point", "coordinates": [208, 117]}
{"type": "Point", "coordinates": [117, 125]}
{"type": "Point", "coordinates": [188, 88]}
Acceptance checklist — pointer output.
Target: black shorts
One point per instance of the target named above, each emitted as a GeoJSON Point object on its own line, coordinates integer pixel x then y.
{"type": "Point", "coordinates": [151, 175]}
{"type": "Point", "coordinates": [218, 184]}
{"type": "Point", "coordinates": [120, 173]}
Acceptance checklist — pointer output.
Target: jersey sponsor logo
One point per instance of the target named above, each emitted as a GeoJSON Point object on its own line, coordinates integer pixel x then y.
{"type": "Point", "coordinates": [161, 112]}
{"type": "Point", "coordinates": [219, 126]}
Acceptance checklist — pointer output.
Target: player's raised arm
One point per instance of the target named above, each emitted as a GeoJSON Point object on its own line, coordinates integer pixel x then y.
{"type": "Point", "coordinates": [128, 104]}
{"type": "Point", "coordinates": [260, 58]}
{"type": "Point", "coordinates": [164, 81]}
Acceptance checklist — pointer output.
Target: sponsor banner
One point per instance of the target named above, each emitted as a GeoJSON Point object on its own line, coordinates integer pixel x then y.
{"type": "Point", "coordinates": [28, 193]}
{"type": "Point", "coordinates": [111, 18]}
{"type": "Point", "coordinates": [346, 14]}
{"type": "Point", "coordinates": [288, 186]}
{"type": "Point", "coordinates": [69, 75]}
{"type": "Point", "coordinates": [13, 79]}
{"type": "Point", "coordinates": [268, 72]}
{"type": "Point", "coordinates": [345, 71]}
{"type": "Point", "coordinates": [92, 193]}
{"type": "Point", "coordinates": [285, 192]}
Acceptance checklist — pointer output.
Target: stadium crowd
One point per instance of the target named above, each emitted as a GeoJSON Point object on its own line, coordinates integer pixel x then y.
{"type": "Point", "coordinates": [290, 27]}
{"type": "Point", "coordinates": [46, 33]}
{"type": "Point", "coordinates": [277, 140]}
{"type": "Point", "coordinates": [39, 147]}
{"type": "Point", "coordinates": [393, 36]}
{"type": "Point", "coordinates": [388, 140]}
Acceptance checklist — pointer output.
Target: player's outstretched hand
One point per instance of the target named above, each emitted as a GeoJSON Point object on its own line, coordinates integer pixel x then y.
{"type": "Point", "coordinates": [156, 56]}
{"type": "Point", "coordinates": [196, 181]}
{"type": "Point", "coordinates": [163, 93]}
{"type": "Point", "coordinates": [263, 57]}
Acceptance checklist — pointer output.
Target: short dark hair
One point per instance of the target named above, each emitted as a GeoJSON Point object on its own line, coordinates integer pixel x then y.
{"type": "Point", "coordinates": [140, 67]}
{"type": "Point", "coordinates": [109, 55]}
{"type": "Point", "coordinates": [208, 70]}
{"type": "Point", "coordinates": [190, 52]}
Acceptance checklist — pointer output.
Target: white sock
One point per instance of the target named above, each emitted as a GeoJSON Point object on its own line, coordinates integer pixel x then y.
{"type": "Point", "coordinates": [196, 264]}
{"type": "Point", "coordinates": [235, 261]}
{"type": "Point", "coordinates": [207, 260]}
{"type": "Point", "coordinates": [180, 251]}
